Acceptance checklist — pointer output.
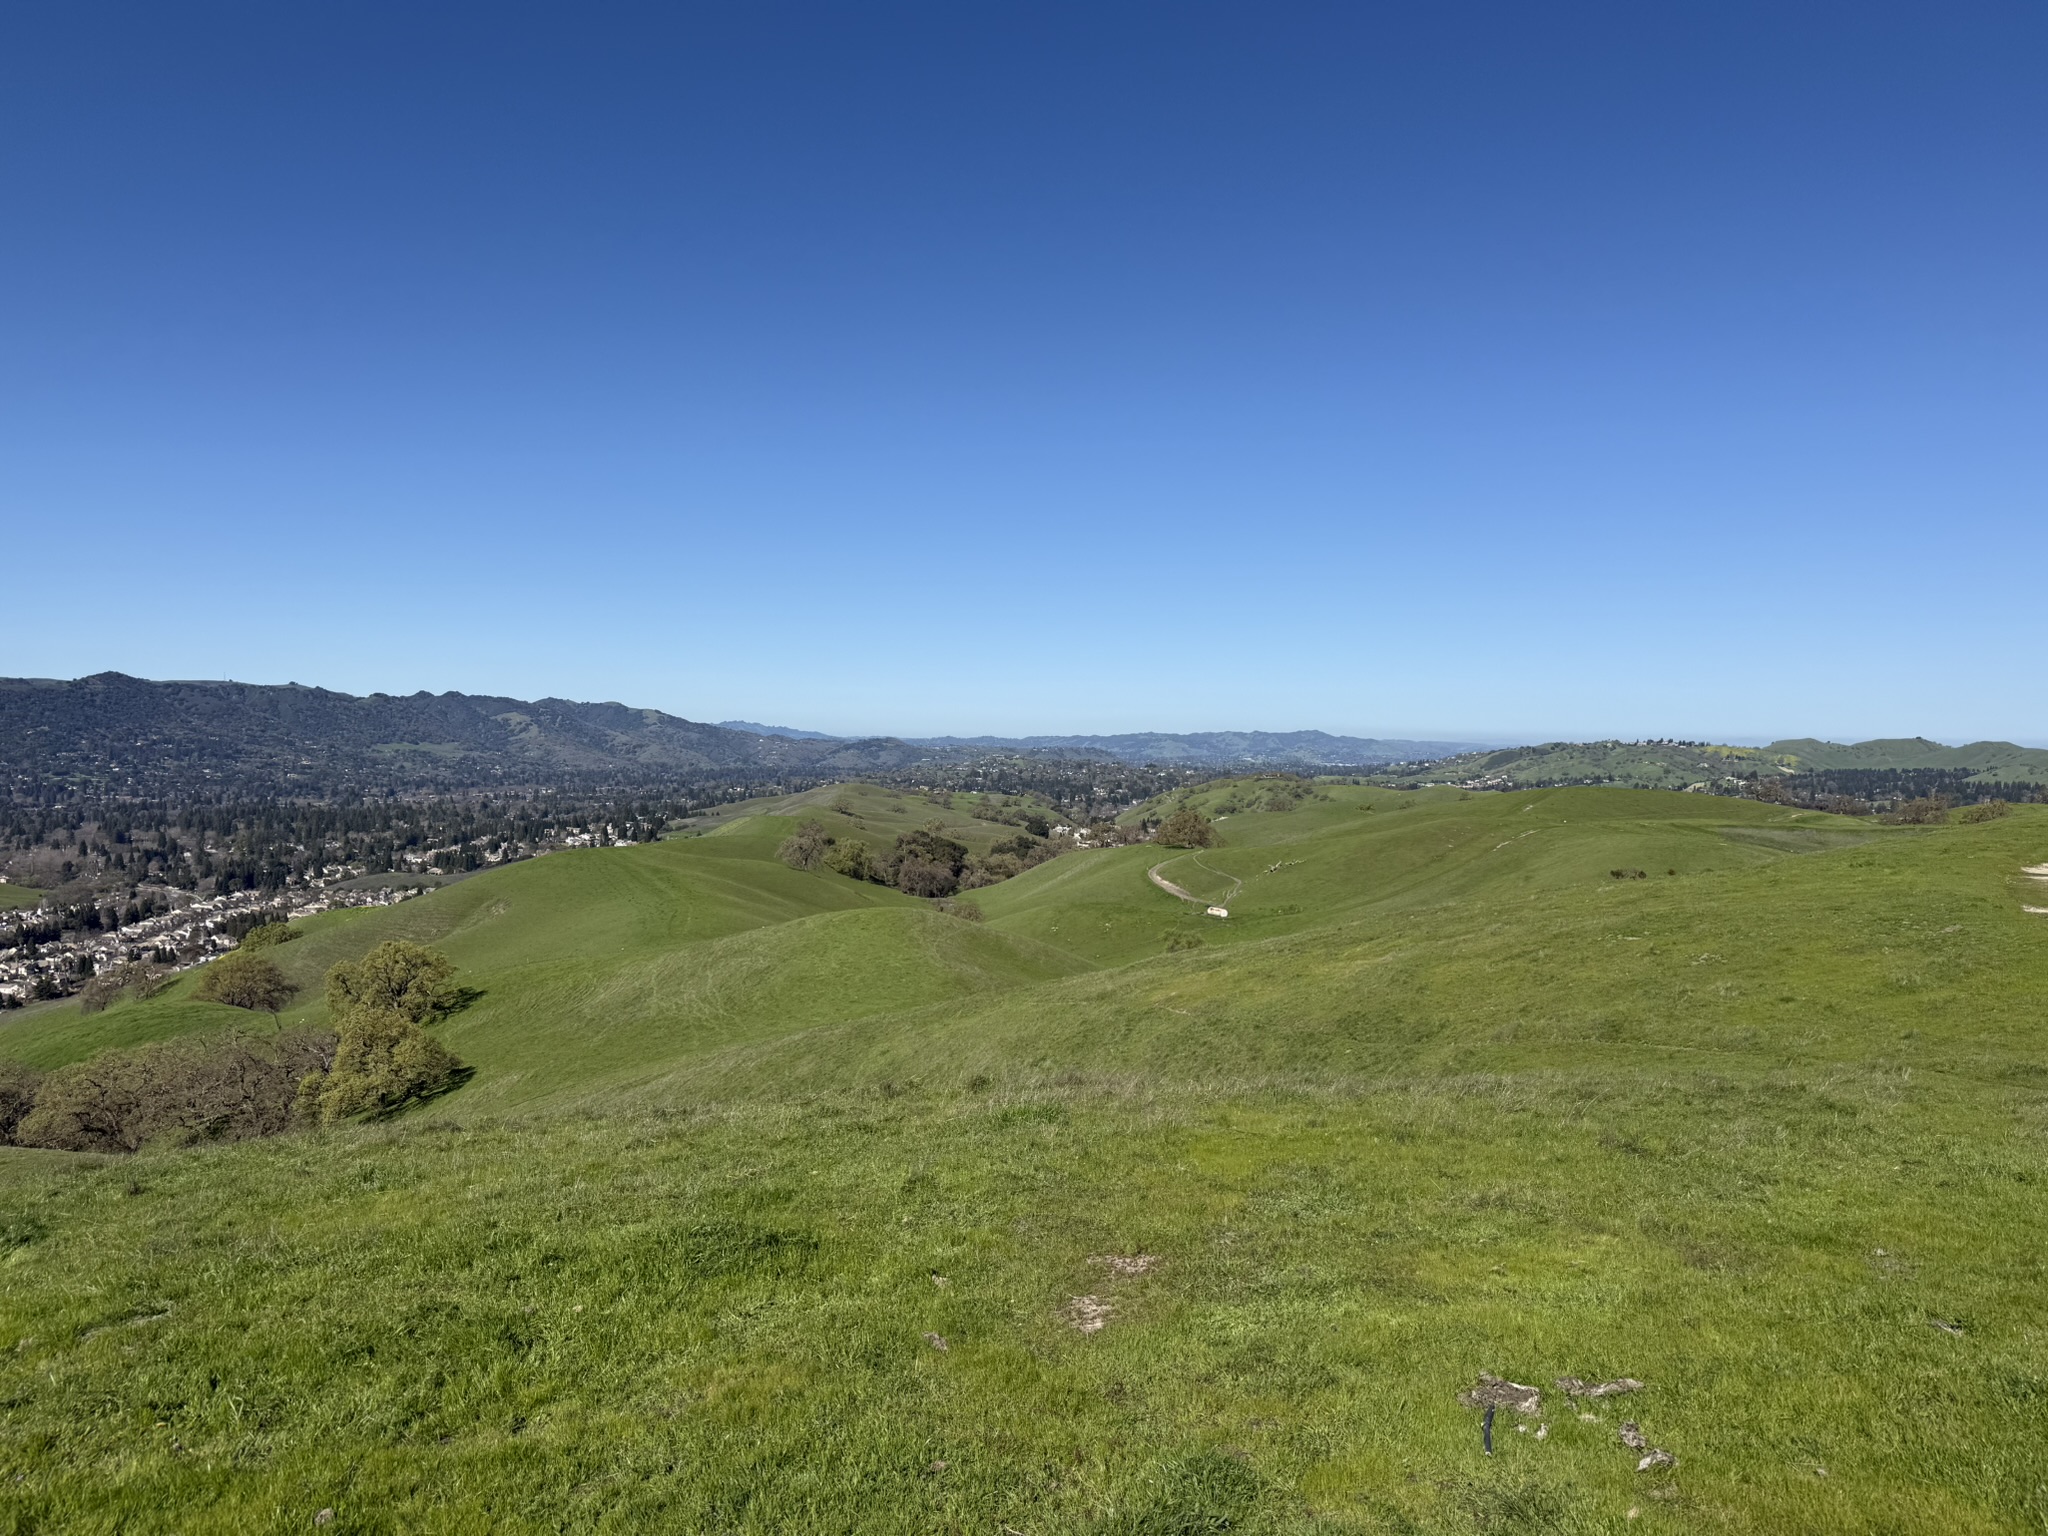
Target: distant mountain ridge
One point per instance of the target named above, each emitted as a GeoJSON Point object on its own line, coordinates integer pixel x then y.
{"type": "Point", "coordinates": [131, 735]}
{"type": "Point", "coordinates": [1219, 748]}
{"type": "Point", "coordinates": [116, 733]}
{"type": "Point", "coordinates": [113, 732]}
{"type": "Point", "coordinates": [788, 731]}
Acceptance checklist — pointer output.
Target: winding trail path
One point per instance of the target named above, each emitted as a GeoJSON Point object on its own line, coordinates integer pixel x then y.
{"type": "Point", "coordinates": [1166, 885]}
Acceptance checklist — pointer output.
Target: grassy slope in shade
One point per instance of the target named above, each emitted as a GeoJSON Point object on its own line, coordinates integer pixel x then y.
{"type": "Point", "coordinates": [1444, 1097]}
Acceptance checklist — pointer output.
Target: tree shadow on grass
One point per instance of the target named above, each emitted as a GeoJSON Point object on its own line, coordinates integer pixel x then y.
{"type": "Point", "coordinates": [456, 1079]}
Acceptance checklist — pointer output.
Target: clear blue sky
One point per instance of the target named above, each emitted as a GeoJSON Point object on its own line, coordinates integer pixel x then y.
{"type": "Point", "coordinates": [1486, 369]}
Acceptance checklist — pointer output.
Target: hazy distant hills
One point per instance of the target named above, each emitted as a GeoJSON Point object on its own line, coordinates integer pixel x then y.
{"type": "Point", "coordinates": [1220, 749]}
{"type": "Point", "coordinates": [789, 731]}
{"type": "Point", "coordinates": [1200, 749]}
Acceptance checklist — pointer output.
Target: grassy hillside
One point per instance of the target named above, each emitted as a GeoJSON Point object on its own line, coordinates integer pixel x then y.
{"type": "Point", "coordinates": [1762, 1129]}
{"type": "Point", "coordinates": [878, 815]}
{"type": "Point", "coordinates": [600, 964]}
{"type": "Point", "coordinates": [1635, 764]}
{"type": "Point", "coordinates": [1991, 761]}
{"type": "Point", "coordinates": [1675, 765]}
{"type": "Point", "coordinates": [1350, 849]}
{"type": "Point", "coordinates": [12, 896]}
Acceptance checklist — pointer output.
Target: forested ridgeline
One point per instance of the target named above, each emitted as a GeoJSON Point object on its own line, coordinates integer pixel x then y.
{"type": "Point", "coordinates": [127, 735]}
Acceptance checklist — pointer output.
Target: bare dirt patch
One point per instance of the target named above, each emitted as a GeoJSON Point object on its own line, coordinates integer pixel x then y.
{"type": "Point", "coordinates": [1087, 1314]}
{"type": "Point", "coordinates": [1126, 1263]}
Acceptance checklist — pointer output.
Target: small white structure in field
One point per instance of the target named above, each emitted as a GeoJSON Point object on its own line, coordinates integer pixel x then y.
{"type": "Point", "coordinates": [1219, 911]}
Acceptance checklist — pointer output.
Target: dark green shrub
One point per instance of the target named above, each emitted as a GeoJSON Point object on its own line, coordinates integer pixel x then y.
{"type": "Point", "coordinates": [921, 877]}
{"type": "Point", "coordinates": [244, 981]}
{"type": "Point", "coordinates": [1186, 829]}
{"type": "Point", "coordinates": [398, 977]}
{"type": "Point", "coordinates": [1929, 810]}
{"type": "Point", "coordinates": [850, 857]}
{"type": "Point", "coordinates": [927, 862]}
{"type": "Point", "coordinates": [382, 1061]}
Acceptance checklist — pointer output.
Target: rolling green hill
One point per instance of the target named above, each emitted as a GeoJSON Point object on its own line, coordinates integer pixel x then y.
{"type": "Point", "coordinates": [1988, 760]}
{"type": "Point", "coordinates": [781, 1202]}
{"type": "Point", "coordinates": [1678, 765]}
{"type": "Point", "coordinates": [1631, 764]}
{"type": "Point", "coordinates": [598, 963]}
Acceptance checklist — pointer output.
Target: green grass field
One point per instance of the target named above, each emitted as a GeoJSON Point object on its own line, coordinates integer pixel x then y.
{"type": "Point", "coordinates": [13, 896]}
{"type": "Point", "coordinates": [1763, 1129]}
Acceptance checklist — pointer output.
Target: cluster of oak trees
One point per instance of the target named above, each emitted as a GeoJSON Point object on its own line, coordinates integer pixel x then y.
{"type": "Point", "coordinates": [375, 1056]}
{"type": "Point", "coordinates": [928, 863]}
{"type": "Point", "coordinates": [925, 862]}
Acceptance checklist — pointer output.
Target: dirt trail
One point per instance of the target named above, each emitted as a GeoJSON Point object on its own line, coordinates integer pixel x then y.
{"type": "Point", "coordinates": [1166, 885]}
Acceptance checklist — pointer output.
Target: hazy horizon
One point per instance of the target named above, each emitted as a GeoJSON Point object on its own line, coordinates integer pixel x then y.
{"type": "Point", "coordinates": [1481, 738]}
